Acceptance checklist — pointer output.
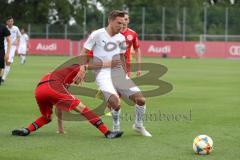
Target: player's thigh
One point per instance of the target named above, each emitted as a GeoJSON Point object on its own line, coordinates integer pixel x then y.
{"type": "Point", "coordinates": [63, 99]}
{"type": "Point", "coordinates": [45, 108]}
{"type": "Point", "coordinates": [43, 101]}
{"type": "Point", "coordinates": [134, 95]}
{"type": "Point", "coordinates": [12, 54]}
{"type": "Point", "coordinates": [107, 87]}
{"type": "Point", "coordinates": [130, 92]}
{"type": "Point", "coordinates": [128, 89]}
{"type": "Point", "coordinates": [56, 94]}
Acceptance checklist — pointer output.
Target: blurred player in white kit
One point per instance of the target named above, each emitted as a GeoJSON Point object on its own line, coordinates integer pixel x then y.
{"type": "Point", "coordinates": [23, 46]}
{"type": "Point", "coordinates": [15, 37]}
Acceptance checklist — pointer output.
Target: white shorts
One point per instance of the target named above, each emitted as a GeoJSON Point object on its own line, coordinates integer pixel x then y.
{"type": "Point", "coordinates": [11, 53]}
{"type": "Point", "coordinates": [22, 49]}
{"type": "Point", "coordinates": [117, 86]}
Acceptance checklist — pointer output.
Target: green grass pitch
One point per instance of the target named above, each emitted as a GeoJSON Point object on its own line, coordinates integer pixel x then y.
{"type": "Point", "coordinates": [205, 97]}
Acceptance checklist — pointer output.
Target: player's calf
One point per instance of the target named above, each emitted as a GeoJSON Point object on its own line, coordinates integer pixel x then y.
{"type": "Point", "coordinates": [32, 127]}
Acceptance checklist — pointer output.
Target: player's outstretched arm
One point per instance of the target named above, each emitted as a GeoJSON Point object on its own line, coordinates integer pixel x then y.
{"type": "Point", "coordinates": [123, 62]}
{"type": "Point", "coordinates": [138, 60]}
{"type": "Point", "coordinates": [60, 121]}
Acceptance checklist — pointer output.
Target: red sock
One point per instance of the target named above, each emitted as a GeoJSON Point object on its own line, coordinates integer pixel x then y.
{"type": "Point", "coordinates": [94, 120]}
{"type": "Point", "coordinates": [38, 123]}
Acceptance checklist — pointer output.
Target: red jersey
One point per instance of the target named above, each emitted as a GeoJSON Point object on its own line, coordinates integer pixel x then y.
{"type": "Point", "coordinates": [52, 90]}
{"type": "Point", "coordinates": [131, 40]}
{"type": "Point", "coordinates": [63, 75]}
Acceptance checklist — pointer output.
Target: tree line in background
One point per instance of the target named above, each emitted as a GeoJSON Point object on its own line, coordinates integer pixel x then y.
{"type": "Point", "coordinates": [180, 15]}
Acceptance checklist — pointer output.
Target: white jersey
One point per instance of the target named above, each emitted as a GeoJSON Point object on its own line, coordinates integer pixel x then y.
{"type": "Point", "coordinates": [22, 49]}
{"type": "Point", "coordinates": [105, 48]}
{"type": "Point", "coordinates": [14, 34]}
{"type": "Point", "coordinates": [23, 40]}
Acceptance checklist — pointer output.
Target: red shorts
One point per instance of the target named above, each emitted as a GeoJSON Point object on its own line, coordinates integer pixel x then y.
{"type": "Point", "coordinates": [46, 96]}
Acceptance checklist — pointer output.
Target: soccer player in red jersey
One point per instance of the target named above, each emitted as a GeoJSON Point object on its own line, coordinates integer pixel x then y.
{"type": "Point", "coordinates": [132, 41]}
{"type": "Point", "coordinates": [52, 90]}
{"type": "Point", "coordinates": [59, 112]}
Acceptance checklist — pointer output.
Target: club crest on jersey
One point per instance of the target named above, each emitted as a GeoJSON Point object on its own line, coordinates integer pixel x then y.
{"type": "Point", "coordinates": [129, 37]}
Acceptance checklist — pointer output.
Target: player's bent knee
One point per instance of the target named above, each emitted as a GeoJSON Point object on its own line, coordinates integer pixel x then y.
{"type": "Point", "coordinates": [114, 102]}
{"type": "Point", "coordinates": [138, 98]}
{"type": "Point", "coordinates": [47, 119]}
{"type": "Point", "coordinates": [116, 108]}
{"type": "Point", "coordinates": [140, 101]}
{"type": "Point", "coordinates": [80, 107]}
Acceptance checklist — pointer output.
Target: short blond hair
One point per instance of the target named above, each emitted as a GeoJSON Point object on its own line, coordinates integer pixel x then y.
{"type": "Point", "coordinates": [114, 14]}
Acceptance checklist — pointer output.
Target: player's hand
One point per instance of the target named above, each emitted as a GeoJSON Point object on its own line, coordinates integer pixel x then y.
{"type": "Point", "coordinates": [79, 77]}
{"type": "Point", "coordinates": [138, 73]}
{"type": "Point", "coordinates": [78, 80]}
{"type": "Point", "coordinates": [61, 132]}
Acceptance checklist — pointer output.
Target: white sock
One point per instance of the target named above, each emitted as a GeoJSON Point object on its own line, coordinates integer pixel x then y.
{"type": "Point", "coordinates": [116, 117]}
{"type": "Point", "coordinates": [5, 72]}
{"type": "Point", "coordinates": [22, 59]}
{"type": "Point", "coordinates": [140, 111]}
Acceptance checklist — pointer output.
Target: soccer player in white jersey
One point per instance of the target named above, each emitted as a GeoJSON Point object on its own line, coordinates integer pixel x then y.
{"type": "Point", "coordinates": [15, 37]}
{"type": "Point", "coordinates": [23, 46]}
{"type": "Point", "coordinates": [109, 46]}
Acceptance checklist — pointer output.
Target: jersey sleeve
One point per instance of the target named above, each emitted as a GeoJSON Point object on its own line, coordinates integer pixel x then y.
{"type": "Point", "coordinates": [91, 41]}
{"type": "Point", "coordinates": [27, 37]}
{"type": "Point", "coordinates": [18, 32]}
{"type": "Point", "coordinates": [135, 41]}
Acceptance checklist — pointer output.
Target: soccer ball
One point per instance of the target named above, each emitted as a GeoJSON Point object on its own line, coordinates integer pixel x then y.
{"type": "Point", "coordinates": [202, 144]}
